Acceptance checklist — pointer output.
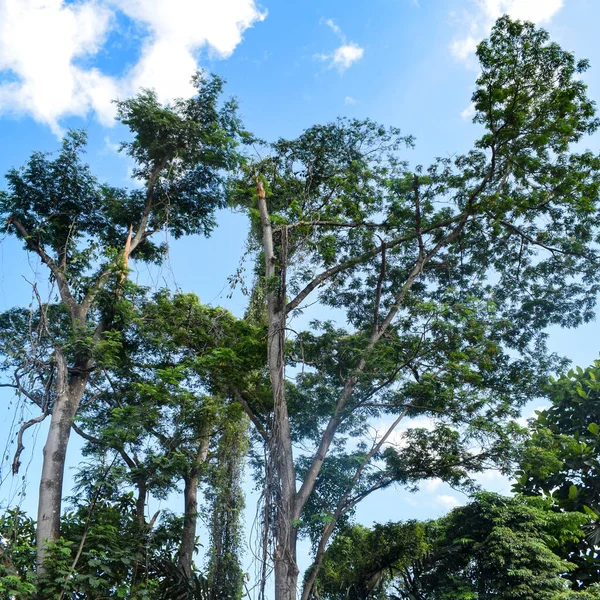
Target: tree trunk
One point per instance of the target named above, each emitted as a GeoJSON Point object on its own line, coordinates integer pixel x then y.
{"type": "Point", "coordinates": [68, 398]}
{"type": "Point", "coordinates": [282, 465]}
{"type": "Point", "coordinates": [140, 504]}
{"type": "Point", "coordinates": [225, 575]}
{"type": "Point", "coordinates": [286, 568]}
{"type": "Point", "coordinates": [281, 470]}
{"type": "Point", "coordinates": [190, 498]}
{"type": "Point", "coordinates": [190, 519]}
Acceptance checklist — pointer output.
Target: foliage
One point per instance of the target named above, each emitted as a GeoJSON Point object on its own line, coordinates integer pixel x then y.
{"type": "Point", "coordinates": [226, 501]}
{"type": "Point", "coordinates": [560, 461]}
{"type": "Point", "coordinates": [494, 547]}
{"type": "Point", "coordinates": [441, 281]}
{"type": "Point", "coordinates": [85, 234]}
{"type": "Point", "coordinates": [17, 555]}
{"type": "Point", "coordinates": [438, 283]}
{"type": "Point", "coordinates": [361, 561]}
{"type": "Point", "coordinates": [101, 554]}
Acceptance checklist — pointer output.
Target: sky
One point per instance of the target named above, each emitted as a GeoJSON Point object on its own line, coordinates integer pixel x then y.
{"type": "Point", "coordinates": [407, 63]}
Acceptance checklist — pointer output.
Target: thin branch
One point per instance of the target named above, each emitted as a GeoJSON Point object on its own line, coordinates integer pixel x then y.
{"type": "Point", "coordinates": [418, 215]}
{"type": "Point", "coordinates": [20, 446]}
{"type": "Point", "coordinates": [86, 436]}
{"type": "Point", "coordinates": [251, 414]}
{"type": "Point", "coordinates": [341, 224]}
{"type": "Point", "coordinates": [59, 275]}
{"type": "Point", "coordinates": [552, 249]}
{"type": "Point", "coordinates": [380, 281]}
{"type": "Point", "coordinates": [325, 275]}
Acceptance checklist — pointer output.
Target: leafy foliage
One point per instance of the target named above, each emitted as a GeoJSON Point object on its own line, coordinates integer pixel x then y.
{"type": "Point", "coordinates": [494, 547]}
{"type": "Point", "coordinates": [560, 461]}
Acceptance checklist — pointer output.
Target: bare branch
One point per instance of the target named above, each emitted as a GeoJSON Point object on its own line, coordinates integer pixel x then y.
{"type": "Point", "coordinates": [20, 446]}
{"type": "Point", "coordinates": [86, 436]}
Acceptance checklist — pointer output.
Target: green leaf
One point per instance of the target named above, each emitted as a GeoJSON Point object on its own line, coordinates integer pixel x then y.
{"type": "Point", "coordinates": [572, 492]}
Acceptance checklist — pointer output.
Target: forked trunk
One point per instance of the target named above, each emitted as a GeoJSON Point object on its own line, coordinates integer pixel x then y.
{"type": "Point", "coordinates": [281, 472]}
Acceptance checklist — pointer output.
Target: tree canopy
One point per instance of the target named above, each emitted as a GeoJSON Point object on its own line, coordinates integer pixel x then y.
{"type": "Point", "coordinates": [383, 293]}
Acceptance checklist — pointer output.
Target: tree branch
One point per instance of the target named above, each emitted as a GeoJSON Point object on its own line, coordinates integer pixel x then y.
{"type": "Point", "coordinates": [251, 414]}
{"type": "Point", "coordinates": [20, 446]}
{"type": "Point", "coordinates": [59, 275]}
{"type": "Point", "coordinates": [325, 275]}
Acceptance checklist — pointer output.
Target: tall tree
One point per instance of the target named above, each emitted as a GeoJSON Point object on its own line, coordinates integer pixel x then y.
{"type": "Point", "coordinates": [85, 233]}
{"type": "Point", "coordinates": [166, 408]}
{"type": "Point", "coordinates": [444, 277]}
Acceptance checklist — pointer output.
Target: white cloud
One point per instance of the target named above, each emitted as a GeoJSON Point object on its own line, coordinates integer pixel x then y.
{"type": "Point", "coordinates": [538, 11]}
{"type": "Point", "coordinates": [523, 420]}
{"type": "Point", "coordinates": [39, 40]}
{"type": "Point", "coordinates": [468, 112]}
{"type": "Point", "coordinates": [334, 27]}
{"type": "Point", "coordinates": [349, 100]}
{"type": "Point", "coordinates": [111, 147]}
{"type": "Point", "coordinates": [345, 55]}
{"type": "Point", "coordinates": [447, 502]}
{"type": "Point", "coordinates": [177, 30]}
{"type": "Point", "coordinates": [397, 437]}
{"type": "Point", "coordinates": [479, 21]}
{"type": "Point", "coordinates": [430, 485]}
{"type": "Point", "coordinates": [43, 42]}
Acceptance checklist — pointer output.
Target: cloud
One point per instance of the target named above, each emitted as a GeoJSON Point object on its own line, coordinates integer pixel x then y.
{"type": "Point", "coordinates": [447, 502]}
{"type": "Point", "coordinates": [39, 40]}
{"type": "Point", "coordinates": [430, 485]}
{"type": "Point", "coordinates": [523, 420]}
{"type": "Point", "coordinates": [479, 21]}
{"type": "Point", "coordinates": [332, 25]}
{"type": "Point", "coordinates": [177, 30]}
{"type": "Point", "coordinates": [349, 100]}
{"type": "Point", "coordinates": [112, 147]}
{"type": "Point", "coordinates": [469, 112]}
{"type": "Point", "coordinates": [345, 55]}
{"type": "Point", "coordinates": [397, 437]}
{"type": "Point", "coordinates": [45, 44]}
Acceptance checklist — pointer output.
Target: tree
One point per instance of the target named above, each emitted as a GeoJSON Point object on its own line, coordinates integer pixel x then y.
{"type": "Point", "coordinates": [444, 279]}
{"type": "Point", "coordinates": [494, 547]}
{"type": "Point", "coordinates": [168, 413]}
{"type": "Point", "coordinates": [101, 554]}
{"type": "Point", "coordinates": [85, 233]}
{"type": "Point", "coordinates": [361, 562]}
{"type": "Point", "coordinates": [160, 414]}
{"type": "Point", "coordinates": [561, 462]}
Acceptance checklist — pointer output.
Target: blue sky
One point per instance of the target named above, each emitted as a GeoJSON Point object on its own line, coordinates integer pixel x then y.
{"type": "Point", "coordinates": [407, 63]}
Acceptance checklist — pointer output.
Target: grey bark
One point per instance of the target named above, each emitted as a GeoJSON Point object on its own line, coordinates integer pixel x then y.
{"type": "Point", "coordinates": [68, 397]}
{"type": "Point", "coordinates": [280, 443]}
